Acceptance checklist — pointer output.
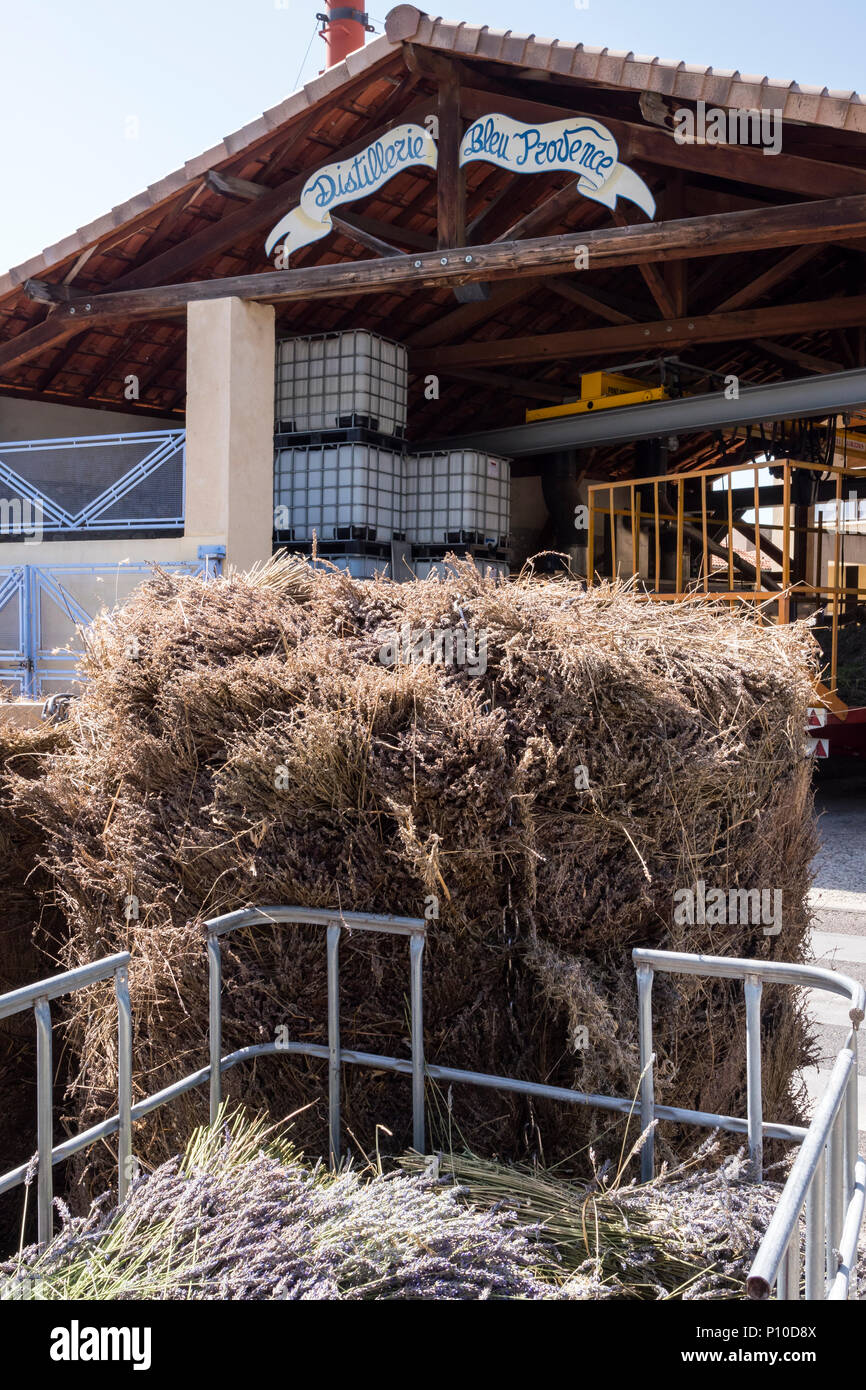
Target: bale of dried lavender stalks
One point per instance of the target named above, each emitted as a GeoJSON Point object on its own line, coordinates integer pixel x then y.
{"type": "Point", "coordinates": [28, 942]}
{"type": "Point", "coordinates": [246, 742]}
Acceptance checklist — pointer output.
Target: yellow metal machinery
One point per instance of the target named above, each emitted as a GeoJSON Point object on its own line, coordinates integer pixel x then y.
{"type": "Point", "coordinates": [601, 391]}
{"type": "Point", "coordinates": [683, 537]}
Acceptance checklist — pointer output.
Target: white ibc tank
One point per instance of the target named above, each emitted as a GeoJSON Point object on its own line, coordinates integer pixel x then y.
{"type": "Point", "coordinates": [337, 380]}
{"type": "Point", "coordinates": [491, 569]}
{"type": "Point", "coordinates": [461, 495]}
{"type": "Point", "coordinates": [340, 491]}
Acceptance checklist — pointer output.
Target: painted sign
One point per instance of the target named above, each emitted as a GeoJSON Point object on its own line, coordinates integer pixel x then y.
{"type": "Point", "coordinates": [350, 179]}
{"type": "Point", "coordinates": [579, 145]}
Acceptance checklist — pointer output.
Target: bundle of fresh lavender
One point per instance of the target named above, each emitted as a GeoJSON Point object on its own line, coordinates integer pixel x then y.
{"type": "Point", "coordinates": [691, 1233]}
{"type": "Point", "coordinates": [241, 1217]}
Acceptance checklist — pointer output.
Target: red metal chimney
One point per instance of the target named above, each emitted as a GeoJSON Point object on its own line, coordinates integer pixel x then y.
{"type": "Point", "coordinates": [343, 30]}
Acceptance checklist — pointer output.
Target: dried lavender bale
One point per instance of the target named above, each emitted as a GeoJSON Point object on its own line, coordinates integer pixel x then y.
{"type": "Point", "coordinates": [25, 933]}
{"type": "Point", "coordinates": [241, 742]}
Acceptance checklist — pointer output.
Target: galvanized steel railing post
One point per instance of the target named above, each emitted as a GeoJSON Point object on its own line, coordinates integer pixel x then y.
{"type": "Point", "coordinates": [816, 1254]}
{"type": "Point", "coordinates": [215, 1042]}
{"type": "Point", "coordinates": [124, 1082]}
{"type": "Point", "coordinates": [767, 1264]}
{"type": "Point", "coordinates": [852, 1124]}
{"type": "Point", "coordinates": [792, 1265]}
{"type": "Point", "coordinates": [334, 932]}
{"type": "Point", "coordinates": [835, 1190]}
{"type": "Point", "coordinates": [754, 1109]}
{"type": "Point", "coordinates": [647, 1061]}
{"type": "Point", "coordinates": [44, 1118]}
{"type": "Point", "coordinates": [416, 1008]}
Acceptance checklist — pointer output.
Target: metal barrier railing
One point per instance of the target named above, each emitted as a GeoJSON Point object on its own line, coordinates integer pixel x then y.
{"type": "Point", "coordinates": [832, 1226]}
{"type": "Point", "coordinates": [37, 997]}
{"type": "Point", "coordinates": [335, 924]}
{"type": "Point", "coordinates": [831, 1189]}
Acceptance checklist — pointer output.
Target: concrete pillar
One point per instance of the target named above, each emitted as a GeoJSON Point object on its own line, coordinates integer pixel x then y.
{"type": "Point", "coordinates": [230, 427]}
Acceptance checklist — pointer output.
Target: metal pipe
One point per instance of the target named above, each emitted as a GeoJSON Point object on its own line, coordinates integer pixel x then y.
{"type": "Point", "coordinates": [733, 1124]}
{"type": "Point", "coordinates": [816, 1253]}
{"type": "Point", "coordinates": [19, 999]}
{"type": "Point", "coordinates": [334, 1073]}
{"type": "Point", "coordinates": [735, 968]}
{"type": "Point", "coordinates": [44, 1118]}
{"type": "Point", "coordinates": [416, 1009]}
{"type": "Point", "coordinates": [835, 1191]}
{"type": "Point", "coordinates": [845, 1282]}
{"type": "Point", "coordinates": [647, 1061]}
{"type": "Point", "coordinates": [754, 1108]}
{"type": "Point", "coordinates": [124, 1082]}
{"type": "Point", "coordinates": [214, 1022]}
{"type": "Point", "coordinates": [852, 1123]}
{"type": "Point", "coordinates": [763, 1273]}
{"type": "Point", "coordinates": [313, 917]}
{"type": "Point", "coordinates": [792, 1265]}
{"type": "Point", "coordinates": [343, 29]}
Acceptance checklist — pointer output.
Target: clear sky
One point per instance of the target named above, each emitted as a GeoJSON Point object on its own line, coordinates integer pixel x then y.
{"type": "Point", "coordinates": [100, 98]}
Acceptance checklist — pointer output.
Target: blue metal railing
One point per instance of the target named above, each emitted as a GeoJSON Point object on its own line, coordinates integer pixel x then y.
{"type": "Point", "coordinates": [155, 448]}
{"type": "Point", "coordinates": [37, 588]}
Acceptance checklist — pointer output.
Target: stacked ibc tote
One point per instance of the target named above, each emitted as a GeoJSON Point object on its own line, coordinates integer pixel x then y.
{"type": "Point", "coordinates": [342, 474]}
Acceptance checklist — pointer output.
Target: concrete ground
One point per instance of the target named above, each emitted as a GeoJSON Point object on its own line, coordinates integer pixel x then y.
{"type": "Point", "coordinates": [839, 938]}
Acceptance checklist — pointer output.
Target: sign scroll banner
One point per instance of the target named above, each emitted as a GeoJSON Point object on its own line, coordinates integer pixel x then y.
{"type": "Point", "coordinates": [348, 180]}
{"type": "Point", "coordinates": [581, 146]}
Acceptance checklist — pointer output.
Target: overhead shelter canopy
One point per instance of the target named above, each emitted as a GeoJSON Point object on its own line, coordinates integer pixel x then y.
{"type": "Point", "coordinates": [768, 308]}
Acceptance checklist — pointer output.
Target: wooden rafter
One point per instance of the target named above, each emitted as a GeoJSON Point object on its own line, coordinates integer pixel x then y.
{"type": "Point", "coordinates": [762, 284]}
{"type": "Point", "coordinates": [736, 164]}
{"type": "Point", "coordinates": [649, 337]}
{"type": "Point", "coordinates": [794, 224]}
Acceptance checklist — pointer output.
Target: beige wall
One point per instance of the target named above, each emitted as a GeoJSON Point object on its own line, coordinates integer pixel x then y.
{"type": "Point", "coordinates": [230, 427]}
{"type": "Point", "coordinates": [21, 419]}
{"type": "Point", "coordinates": [96, 551]}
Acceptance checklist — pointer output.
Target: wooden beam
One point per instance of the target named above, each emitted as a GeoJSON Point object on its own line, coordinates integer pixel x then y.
{"type": "Point", "coordinates": [451, 182]}
{"type": "Point", "coordinates": [598, 302]}
{"type": "Point", "coordinates": [801, 359]}
{"type": "Point", "coordinates": [27, 393]}
{"type": "Point", "coordinates": [51, 332]}
{"type": "Point", "coordinates": [389, 231]}
{"type": "Point", "coordinates": [356, 233]}
{"type": "Point", "coordinates": [506, 191]}
{"type": "Point", "coordinates": [648, 337]}
{"type": "Point", "coordinates": [724, 233]}
{"type": "Point", "coordinates": [653, 278]}
{"type": "Point", "coordinates": [518, 386]}
{"type": "Point", "coordinates": [676, 272]}
{"type": "Point", "coordinates": [566, 290]}
{"type": "Point", "coordinates": [48, 292]}
{"type": "Point", "coordinates": [229, 186]}
{"type": "Point", "coordinates": [460, 321]}
{"type": "Point", "coordinates": [367, 231]}
{"type": "Point", "coordinates": [235, 226]}
{"type": "Point", "coordinates": [782, 270]}
{"type": "Point", "coordinates": [541, 217]}
{"type": "Point", "coordinates": [734, 163]}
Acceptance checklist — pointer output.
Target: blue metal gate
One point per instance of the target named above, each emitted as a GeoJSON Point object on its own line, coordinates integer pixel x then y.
{"type": "Point", "coordinates": [43, 606]}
